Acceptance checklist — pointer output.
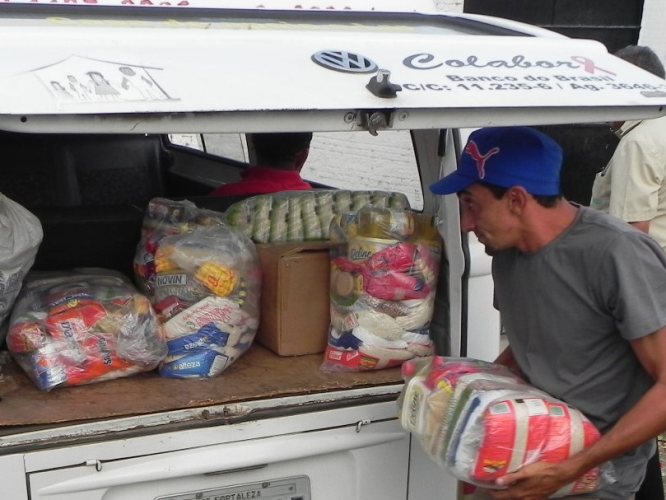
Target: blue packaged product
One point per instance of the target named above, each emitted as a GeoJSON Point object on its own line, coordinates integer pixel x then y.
{"type": "Point", "coordinates": [196, 365]}
{"type": "Point", "coordinates": [49, 372]}
{"type": "Point", "coordinates": [206, 338]}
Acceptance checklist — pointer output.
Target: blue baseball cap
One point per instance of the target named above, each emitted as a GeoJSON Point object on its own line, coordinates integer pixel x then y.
{"type": "Point", "coordinates": [507, 157]}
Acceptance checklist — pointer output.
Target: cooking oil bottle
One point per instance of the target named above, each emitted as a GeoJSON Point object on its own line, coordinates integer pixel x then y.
{"type": "Point", "coordinates": [385, 223]}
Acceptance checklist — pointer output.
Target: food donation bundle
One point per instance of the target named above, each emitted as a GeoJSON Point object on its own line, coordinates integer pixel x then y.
{"type": "Point", "coordinates": [481, 422]}
{"type": "Point", "coordinates": [292, 216]}
{"type": "Point", "coordinates": [20, 234]}
{"type": "Point", "coordinates": [203, 278]}
{"type": "Point", "coordinates": [384, 267]}
{"type": "Point", "coordinates": [83, 326]}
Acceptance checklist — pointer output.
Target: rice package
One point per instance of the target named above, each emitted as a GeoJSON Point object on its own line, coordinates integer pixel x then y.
{"type": "Point", "coordinates": [292, 216]}
{"type": "Point", "coordinates": [481, 422]}
{"type": "Point", "coordinates": [384, 268]}
{"type": "Point", "coordinates": [83, 326]}
{"type": "Point", "coordinates": [204, 282]}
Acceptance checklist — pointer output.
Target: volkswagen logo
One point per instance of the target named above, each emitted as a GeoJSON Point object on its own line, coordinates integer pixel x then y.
{"type": "Point", "coordinates": [348, 62]}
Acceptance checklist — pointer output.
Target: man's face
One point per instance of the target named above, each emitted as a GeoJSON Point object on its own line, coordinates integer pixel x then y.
{"type": "Point", "coordinates": [486, 216]}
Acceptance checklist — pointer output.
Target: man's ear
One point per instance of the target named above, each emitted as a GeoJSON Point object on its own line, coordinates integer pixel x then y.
{"type": "Point", "coordinates": [517, 198]}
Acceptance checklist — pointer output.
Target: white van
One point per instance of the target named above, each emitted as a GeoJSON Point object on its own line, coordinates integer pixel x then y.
{"type": "Point", "coordinates": [108, 103]}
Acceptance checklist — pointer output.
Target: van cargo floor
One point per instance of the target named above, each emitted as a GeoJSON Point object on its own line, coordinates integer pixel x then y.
{"type": "Point", "coordinates": [258, 374]}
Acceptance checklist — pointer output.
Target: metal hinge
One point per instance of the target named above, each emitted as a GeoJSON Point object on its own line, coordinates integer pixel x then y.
{"type": "Point", "coordinates": [361, 423]}
{"type": "Point", "coordinates": [374, 121]}
{"type": "Point", "coordinates": [94, 463]}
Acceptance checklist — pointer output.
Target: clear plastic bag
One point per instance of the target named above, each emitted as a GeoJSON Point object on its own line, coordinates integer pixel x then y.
{"type": "Point", "coordinates": [163, 217]}
{"type": "Point", "coordinates": [83, 326]}
{"type": "Point", "coordinates": [293, 216]}
{"type": "Point", "coordinates": [20, 237]}
{"type": "Point", "coordinates": [204, 280]}
{"type": "Point", "coordinates": [384, 269]}
{"type": "Point", "coordinates": [480, 422]}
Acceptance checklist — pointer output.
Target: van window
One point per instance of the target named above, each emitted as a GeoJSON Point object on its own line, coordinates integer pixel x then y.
{"type": "Point", "coordinates": [358, 160]}
{"type": "Point", "coordinates": [229, 146]}
{"type": "Point", "coordinates": [342, 160]}
{"type": "Point", "coordinates": [193, 141]}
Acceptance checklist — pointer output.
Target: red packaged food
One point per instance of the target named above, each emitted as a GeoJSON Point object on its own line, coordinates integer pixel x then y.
{"type": "Point", "coordinates": [26, 337]}
{"type": "Point", "coordinates": [79, 327]}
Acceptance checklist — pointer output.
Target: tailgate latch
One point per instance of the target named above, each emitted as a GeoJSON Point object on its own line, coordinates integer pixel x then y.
{"type": "Point", "coordinates": [381, 86]}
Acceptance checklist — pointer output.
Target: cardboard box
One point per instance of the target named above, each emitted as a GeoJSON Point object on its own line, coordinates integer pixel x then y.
{"type": "Point", "coordinates": [295, 310]}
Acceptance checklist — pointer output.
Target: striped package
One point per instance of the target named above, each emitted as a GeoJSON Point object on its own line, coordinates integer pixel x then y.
{"type": "Point", "coordinates": [481, 422]}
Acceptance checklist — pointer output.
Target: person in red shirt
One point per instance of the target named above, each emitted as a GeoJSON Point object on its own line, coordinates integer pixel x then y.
{"type": "Point", "coordinates": [280, 157]}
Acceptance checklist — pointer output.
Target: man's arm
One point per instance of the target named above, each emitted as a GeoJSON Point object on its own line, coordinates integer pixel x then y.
{"type": "Point", "coordinates": [643, 225]}
{"type": "Point", "coordinates": [645, 421]}
{"type": "Point", "coordinates": [507, 359]}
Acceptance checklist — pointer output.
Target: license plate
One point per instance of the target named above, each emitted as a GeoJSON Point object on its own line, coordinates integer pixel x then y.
{"type": "Point", "coordinates": [292, 488]}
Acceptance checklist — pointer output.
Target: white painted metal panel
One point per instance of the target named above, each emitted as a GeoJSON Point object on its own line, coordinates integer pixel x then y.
{"type": "Point", "coordinates": [161, 432]}
{"type": "Point", "coordinates": [427, 480]}
{"type": "Point", "coordinates": [165, 66]}
{"type": "Point", "coordinates": [340, 463]}
{"type": "Point", "coordinates": [13, 478]}
{"type": "Point", "coordinates": [359, 5]}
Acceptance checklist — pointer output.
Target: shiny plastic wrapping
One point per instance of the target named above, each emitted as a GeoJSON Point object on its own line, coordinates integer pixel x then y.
{"type": "Point", "coordinates": [203, 278]}
{"type": "Point", "coordinates": [480, 421]}
{"type": "Point", "coordinates": [20, 237]}
{"type": "Point", "coordinates": [83, 326]}
{"type": "Point", "coordinates": [293, 216]}
{"type": "Point", "coordinates": [163, 217]}
{"type": "Point", "coordinates": [384, 269]}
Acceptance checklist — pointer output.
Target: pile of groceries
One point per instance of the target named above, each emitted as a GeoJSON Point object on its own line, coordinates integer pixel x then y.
{"type": "Point", "coordinates": [385, 262]}
{"type": "Point", "coordinates": [194, 308]}
{"type": "Point", "coordinates": [83, 326]}
{"type": "Point", "coordinates": [203, 279]}
{"type": "Point", "coordinates": [480, 421]}
{"type": "Point", "coordinates": [384, 268]}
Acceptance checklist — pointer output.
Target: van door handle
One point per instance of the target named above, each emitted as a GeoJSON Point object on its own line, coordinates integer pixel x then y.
{"type": "Point", "coordinates": [219, 457]}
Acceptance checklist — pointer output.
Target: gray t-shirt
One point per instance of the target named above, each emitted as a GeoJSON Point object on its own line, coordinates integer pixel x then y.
{"type": "Point", "coordinates": [569, 310]}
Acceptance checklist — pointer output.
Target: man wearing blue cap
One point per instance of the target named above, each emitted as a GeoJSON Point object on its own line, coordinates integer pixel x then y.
{"type": "Point", "coordinates": [582, 298]}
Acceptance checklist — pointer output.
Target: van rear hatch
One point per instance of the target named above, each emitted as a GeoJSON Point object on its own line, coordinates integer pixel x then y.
{"type": "Point", "coordinates": [105, 68]}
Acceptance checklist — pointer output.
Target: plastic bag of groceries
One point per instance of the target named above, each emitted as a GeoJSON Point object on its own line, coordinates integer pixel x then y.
{"type": "Point", "coordinates": [83, 326]}
{"type": "Point", "coordinates": [205, 289]}
{"type": "Point", "coordinates": [163, 217]}
{"type": "Point", "coordinates": [292, 216]}
{"type": "Point", "coordinates": [480, 421]}
{"type": "Point", "coordinates": [20, 237]}
{"type": "Point", "coordinates": [384, 268]}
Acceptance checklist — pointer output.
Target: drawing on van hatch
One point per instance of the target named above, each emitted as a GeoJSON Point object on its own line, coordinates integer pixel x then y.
{"type": "Point", "coordinates": [81, 79]}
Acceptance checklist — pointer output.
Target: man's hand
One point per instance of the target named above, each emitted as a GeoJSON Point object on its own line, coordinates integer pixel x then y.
{"type": "Point", "coordinates": [535, 481]}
